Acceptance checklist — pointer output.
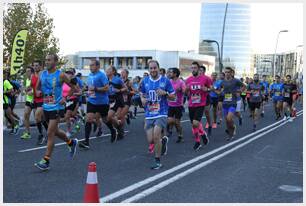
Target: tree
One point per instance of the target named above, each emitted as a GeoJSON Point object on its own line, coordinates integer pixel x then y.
{"type": "Point", "coordinates": [40, 41]}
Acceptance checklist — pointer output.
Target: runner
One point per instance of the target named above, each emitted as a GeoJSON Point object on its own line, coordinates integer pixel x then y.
{"type": "Point", "coordinates": [38, 102]}
{"type": "Point", "coordinates": [214, 98]}
{"type": "Point", "coordinates": [127, 93]}
{"type": "Point", "coordinates": [29, 103]}
{"type": "Point", "coordinates": [243, 93]}
{"type": "Point", "coordinates": [276, 90]}
{"type": "Point", "coordinates": [221, 96]}
{"type": "Point", "coordinates": [290, 89]}
{"type": "Point", "coordinates": [116, 87]}
{"type": "Point", "coordinates": [175, 106]}
{"type": "Point", "coordinates": [265, 95]}
{"type": "Point", "coordinates": [7, 91]}
{"type": "Point", "coordinates": [155, 90]}
{"type": "Point", "coordinates": [239, 100]}
{"type": "Point", "coordinates": [257, 91]}
{"type": "Point", "coordinates": [97, 101]}
{"type": "Point", "coordinates": [197, 89]}
{"type": "Point", "coordinates": [50, 86]}
{"type": "Point", "coordinates": [136, 97]}
{"type": "Point", "coordinates": [230, 87]}
{"type": "Point", "coordinates": [72, 102]}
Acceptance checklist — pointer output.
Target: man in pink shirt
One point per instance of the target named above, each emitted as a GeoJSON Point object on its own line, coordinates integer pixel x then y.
{"type": "Point", "coordinates": [176, 106]}
{"type": "Point", "coordinates": [197, 88]}
{"type": "Point", "coordinates": [208, 125]}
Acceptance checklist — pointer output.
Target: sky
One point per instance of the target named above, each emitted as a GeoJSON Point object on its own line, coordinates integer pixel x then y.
{"type": "Point", "coordinates": [164, 26]}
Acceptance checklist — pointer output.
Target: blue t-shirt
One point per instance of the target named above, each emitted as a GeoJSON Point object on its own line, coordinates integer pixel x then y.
{"type": "Point", "coordinates": [277, 89]}
{"type": "Point", "coordinates": [51, 87]}
{"type": "Point", "coordinates": [116, 83]}
{"type": "Point", "coordinates": [136, 87]}
{"type": "Point", "coordinates": [156, 106]}
{"type": "Point", "coordinates": [266, 85]}
{"type": "Point", "coordinates": [217, 86]}
{"type": "Point", "coordinates": [97, 79]}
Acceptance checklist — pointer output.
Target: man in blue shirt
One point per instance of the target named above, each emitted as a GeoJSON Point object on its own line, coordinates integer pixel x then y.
{"type": "Point", "coordinates": [97, 101]}
{"type": "Point", "coordinates": [276, 90]}
{"type": "Point", "coordinates": [265, 95]}
{"type": "Point", "coordinates": [49, 85]}
{"type": "Point", "coordinates": [155, 90]}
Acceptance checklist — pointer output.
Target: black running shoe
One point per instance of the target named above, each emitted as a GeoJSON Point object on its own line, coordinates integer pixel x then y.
{"type": "Point", "coordinates": [41, 139]}
{"type": "Point", "coordinates": [205, 139]}
{"type": "Point", "coordinates": [114, 135]}
{"type": "Point", "coordinates": [165, 140]}
{"type": "Point", "coordinates": [262, 114]}
{"type": "Point", "coordinates": [179, 139]}
{"type": "Point", "coordinates": [84, 145]}
{"type": "Point", "coordinates": [197, 146]}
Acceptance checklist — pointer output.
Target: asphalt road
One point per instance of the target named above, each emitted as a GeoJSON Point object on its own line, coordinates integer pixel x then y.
{"type": "Point", "coordinates": [261, 167]}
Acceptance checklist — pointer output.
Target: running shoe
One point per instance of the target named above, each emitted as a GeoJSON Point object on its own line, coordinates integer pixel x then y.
{"type": "Point", "coordinates": [262, 114]}
{"type": "Point", "coordinates": [164, 150]}
{"type": "Point", "coordinates": [290, 119]}
{"type": "Point", "coordinates": [234, 132]}
{"type": "Point", "coordinates": [43, 165]}
{"type": "Point", "coordinates": [84, 145]}
{"type": "Point", "coordinates": [220, 121]}
{"type": "Point", "coordinates": [68, 134]}
{"type": "Point", "coordinates": [214, 125]}
{"type": "Point", "coordinates": [16, 129]}
{"type": "Point", "coordinates": [179, 139]}
{"type": "Point", "coordinates": [157, 165]}
{"type": "Point", "coordinates": [197, 146]}
{"type": "Point", "coordinates": [72, 147]}
{"type": "Point", "coordinates": [11, 132]}
{"type": "Point", "coordinates": [205, 139]}
{"type": "Point", "coordinates": [151, 148]}
{"type": "Point", "coordinates": [285, 118]}
{"type": "Point", "coordinates": [25, 135]}
{"type": "Point", "coordinates": [77, 128]}
{"type": "Point", "coordinates": [114, 135]}
{"type": "Point", "coordinates": [40, 139]}
{"type": "Point", "coordinates": [207, 125]}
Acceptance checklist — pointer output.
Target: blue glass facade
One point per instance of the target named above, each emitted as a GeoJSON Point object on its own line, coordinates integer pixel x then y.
{"type": "Point", "coordinates": [237, 39]}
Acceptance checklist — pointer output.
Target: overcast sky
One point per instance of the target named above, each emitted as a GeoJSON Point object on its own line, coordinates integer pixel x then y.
{"type": "Point", "coordinates": [164, 26]}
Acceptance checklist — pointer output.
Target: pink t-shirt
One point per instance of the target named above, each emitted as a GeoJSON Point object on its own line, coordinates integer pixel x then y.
{"type": "Point", "coordinates": [197, 96]}
{"type": "Point", "coordinates": [66, 90]}
{"type": "Point", "coordinates": [178, 101]}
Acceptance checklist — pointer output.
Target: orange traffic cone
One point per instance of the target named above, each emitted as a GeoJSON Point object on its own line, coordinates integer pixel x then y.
{"type": "Point", "coordinates": [91, 189]}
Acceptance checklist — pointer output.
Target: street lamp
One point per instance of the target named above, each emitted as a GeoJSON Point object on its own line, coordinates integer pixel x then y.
{"type": "Point", "coordinates": [214, 41]}
{"type": "Point", "coordinates": [274, 59]}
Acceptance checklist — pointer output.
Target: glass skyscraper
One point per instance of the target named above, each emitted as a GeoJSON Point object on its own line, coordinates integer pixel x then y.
{"type": "Point", "coordinates": [236, 40]}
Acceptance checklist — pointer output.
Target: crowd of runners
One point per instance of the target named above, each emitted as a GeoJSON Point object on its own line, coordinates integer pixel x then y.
{"type": "Point", "coordinates": [113, 99]}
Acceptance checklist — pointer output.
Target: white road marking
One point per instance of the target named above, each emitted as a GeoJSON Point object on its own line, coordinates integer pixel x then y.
{"type": "Point", "coordinates": [162, 174]}
{"type": "Point", "coordinates": [63, 143]}
{"type": "Point", "coordinates": [164, 183]}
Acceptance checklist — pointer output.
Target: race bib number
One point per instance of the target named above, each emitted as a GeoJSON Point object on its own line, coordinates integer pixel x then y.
{"type": "Point", "coordinates": [277, 94]}
{"type": "Point", "coordinates": [196, 98]}
{"type": "Point", "coordinates": [287, 94]}
{"type": "Point", "coordinates": [154, 108]}
{"type": "Point", "coordinates": [228, 97]}
{"type": "Point", "coordinates": [49, 99]}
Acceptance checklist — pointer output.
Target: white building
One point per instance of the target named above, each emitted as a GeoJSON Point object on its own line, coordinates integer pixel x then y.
{"type": "Point", "coordinates": [137, 60]}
